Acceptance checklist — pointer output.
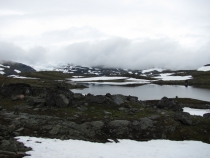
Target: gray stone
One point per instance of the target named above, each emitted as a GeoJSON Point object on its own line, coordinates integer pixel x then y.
{"type": "Point", "coordinates": [183, 117]}
{"type": "Point", "coordinates": [8, 145]}
{"type": "Point", "coordinates": [55, 130]}
{"type": "Point", "coordinates": [20, 129]}
{"type": "Point", "coordinates": [9, 153]}
{"type": "Point", "coordinates": [91, 129]}
{"type": "Point", "coordinates": [167, 103]}
{"type": "Point", "coordinates": [146, 123]}
{"type": "Point", "coordinates": [207, 115]}
{"type": "Point", "coordinates": [107, 113]}
{"type": "Point", "coordinates": [119, 128]}
{"type": "Point", "coordinates": [61, 100]}
{"type": "Point", "coordinates": [119, 99]}
{"type": "Point", "coordinates": [78, 96]}
{"type": "Point", "coordinates": [32, 101]}
{"type": "Point", "coordinates": [82, 108]}
{"type": "Point", "coordinates": [143, 124]}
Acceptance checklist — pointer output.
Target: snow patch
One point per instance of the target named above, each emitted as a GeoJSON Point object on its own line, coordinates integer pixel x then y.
{"type": "Point", "coordinates": [2, 72]}
{"type": "Point", "coordinates": [154, 69]}
{"type": "Point", "coordinates": [77, 76]}
{"type": "Point", "coordinates": [168, 77]}
{"type": "Point", "coordinates": [17, 71]}
{"type": "Point", "coordinates": [4, 66]}
{"type": "Point", "coordinates": [198, 112]}
{"type": "Point", "coordinates": [127, 81]}
{"type": "Point", "coordinates": [21, 77]}
{"type": "Point", "coordinates": [49, 148]}
{"type": "Point", "coordinates": [96, 78]}
{"type": "Point", "coordinates": [204, 68]}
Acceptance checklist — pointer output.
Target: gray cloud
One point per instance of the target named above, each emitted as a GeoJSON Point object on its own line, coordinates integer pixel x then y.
{"type": "Point", "coordinates": [115, 52]}
{"type": "Point", "coordinates": [12, 52]}
{"type": "Point", "coordinates": [124, 53]}
{"type": "Point", "coordinates": [117, 33]}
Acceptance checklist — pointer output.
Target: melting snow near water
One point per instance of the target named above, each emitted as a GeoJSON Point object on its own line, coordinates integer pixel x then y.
{"type": "Point", "coordinates": [127, 80]}
{"type": "Point", "coordinates": [97, 78]}
{"type": "Point", "coordinates": [168, 77]}
{"type": "Point", "coordinates": [198, 112]}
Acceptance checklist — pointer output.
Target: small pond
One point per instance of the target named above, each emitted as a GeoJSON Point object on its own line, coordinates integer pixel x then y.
{"type": "Point", "coordinates": [149, 91]}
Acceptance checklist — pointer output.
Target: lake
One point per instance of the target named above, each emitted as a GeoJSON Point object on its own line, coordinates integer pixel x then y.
{"type": "Point", "coordinates": [149, 91]}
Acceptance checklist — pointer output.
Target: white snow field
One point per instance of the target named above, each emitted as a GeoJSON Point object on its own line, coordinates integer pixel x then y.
{"type": "Point", "coordinates": [127, 81]}
{"type": "Point", "coordinates": [168, 77]}
{"type": "Point", "coordinates": [2, 71]}
{"type": "Point", "coordinates": [21, 77]}
{"type": "Point", "coordinates": [55, 148]}
{"type": "Point", "coordinates": [18, 71]}
{"type": "Point", "coordinates": [4, 66]}
{"type": "Point", "coordinates": [154, 69]}
{"type": "Point", "coordinates": [198, 112]}
{"type": "Point", "coordinates": [97, 78]}
{"type": "Point", "coordinates": [204, 68]}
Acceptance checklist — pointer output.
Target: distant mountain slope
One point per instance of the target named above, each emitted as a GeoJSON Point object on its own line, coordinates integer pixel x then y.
{"type": "Point", "coordinates": [14, 68]}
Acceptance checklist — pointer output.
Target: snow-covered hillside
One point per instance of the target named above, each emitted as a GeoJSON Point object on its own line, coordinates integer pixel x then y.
{"type": "Point", "coordinates": [204, 68]}
{"type": "Point", "coordinates": [13, 68]}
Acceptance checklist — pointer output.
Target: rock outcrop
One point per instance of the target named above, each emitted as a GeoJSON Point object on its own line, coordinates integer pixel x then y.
{"type": "Point", "coordinates": [166, 103]}
{"type": "Point", "coordinates": [59, 113]}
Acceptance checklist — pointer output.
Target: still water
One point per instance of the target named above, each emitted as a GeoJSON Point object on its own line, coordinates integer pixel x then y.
{"type": "Point", "coordinates": [149, 91]}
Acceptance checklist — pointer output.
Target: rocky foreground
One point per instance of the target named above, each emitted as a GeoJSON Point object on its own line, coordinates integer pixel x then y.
{"type": "Point", "coordinates": [58, 113]}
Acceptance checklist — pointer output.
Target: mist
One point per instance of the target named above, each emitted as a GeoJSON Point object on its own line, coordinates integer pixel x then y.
{"type": "Point", "coordinates": [113, 52]}
{"type": "Point", "coordinates": [131, 34]}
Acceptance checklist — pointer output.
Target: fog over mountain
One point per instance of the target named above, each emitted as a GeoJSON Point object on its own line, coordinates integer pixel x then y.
{"type": "Point", "coordinates": [134, 34]}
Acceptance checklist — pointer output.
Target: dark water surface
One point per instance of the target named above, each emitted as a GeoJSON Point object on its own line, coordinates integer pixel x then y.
{"type": "Point", "coordinates": [149, 91]}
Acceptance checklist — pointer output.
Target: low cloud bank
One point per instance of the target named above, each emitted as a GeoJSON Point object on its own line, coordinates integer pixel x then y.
{"type": "Point", "coordinates": [114, 52]}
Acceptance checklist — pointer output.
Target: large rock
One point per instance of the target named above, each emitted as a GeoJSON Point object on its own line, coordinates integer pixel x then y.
{"type": "Point", "coordinates": [8, 145]}
{"type": "Point", "coordinates": [99, 99]}
{"type": "Point", "coordinates": [59, 97]}
{"type": "Point", "coordinates": [207, 115]}
{"type": "Point", "coordinates": [184, 118]}
{"type": "Point", "coordinates": [34, 101]}
{"type": "Point", "coordinates": [119, 99]}
{"type": "Point", "coordinates": [91, 129]}
{"type": "Point", "coordinates": [119, 128]}
{"type": "Point", "coordinates": [142, 124]}
{"type": "Point", "coordinates": [166, 103]}
{"type": "Point", "coordinates": [78, 96]}
{"type": "Point", "coordinates": [55, 130]}
{"type": "Point", "coordinates": [15, 89]}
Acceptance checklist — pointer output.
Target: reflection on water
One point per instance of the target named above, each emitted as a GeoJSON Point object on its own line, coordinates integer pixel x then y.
{"type": "Point", "coordinates": [149, 91]}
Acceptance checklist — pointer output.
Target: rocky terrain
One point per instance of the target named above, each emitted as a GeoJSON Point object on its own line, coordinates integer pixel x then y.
{"type": "Point", "coordinates": [56, 112]}
{"type": "Point", "coordinates": [45, 107]}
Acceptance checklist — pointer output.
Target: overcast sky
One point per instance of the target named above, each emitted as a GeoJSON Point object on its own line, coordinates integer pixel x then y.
{"type": "Point", "coordinates": [133, 34]}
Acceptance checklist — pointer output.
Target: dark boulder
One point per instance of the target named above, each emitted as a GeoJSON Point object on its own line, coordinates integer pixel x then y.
{"type": "Point", "coordinates": [166, 103]}
{"type": "Point", "coordinates": [99, 99]}
{"type": "Point", "coordinates": [78, 96]}
{"type": "Point", "coordinates": [119, 128]}
{"type": "Point", "coordinates": [184, 117]}
{"type": "Point", "coordinates": [34, 101]}
{"type": "Point", "coordinates": [59, 97]}
{"type": "Point", "coordinates": [15, 89]}
{"type": "Point", "coordinates": [207, 115]}
{"type": "Point", "coordinates": [119, 99]}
